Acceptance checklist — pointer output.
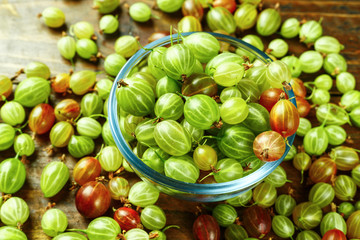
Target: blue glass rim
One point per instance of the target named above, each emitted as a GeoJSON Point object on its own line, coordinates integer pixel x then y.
{"type": "Point", "coordinates": [240, 184]}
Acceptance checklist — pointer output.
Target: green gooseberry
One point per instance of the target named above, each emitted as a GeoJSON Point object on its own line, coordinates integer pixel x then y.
{"type": "Point", "coordinates": [254, 40]}
{"type": "Point", "coordinates": [106, 6]}
{"type": "Point", "coordinates": [294, 64]}
{"type": "Point", "coordinates": [282, 226]}
{"type": "Point", "coordinates": [32, 91]}
{"type": "Point", "coordinates": [322, 194]}
{"type": "Point", "coordinates": [277, 178]}
{"type": "Point", "coordinates": [126, 46]}
{"type": "Point", "coordinates": [336, 134]}
{"type": "Point", "coordinates": [316, 141]}
{"type": "Point", "coordinates": [86, 48]}
{"type": "Point", "coordinates": [12, 176]}
{"type": "Point", "coordinates": [110, 158]}
{"type": "Point", "coordinates": [53, 17]}
{"type": "Point", "coordinates": [80, 146]}
{"type": "Point", "coordinates": [91, 104]}
{"type": "Point", "coordinates": [67, 47]}
{"type": "Point", "coordinates": [70, 236]}
{"type": "Point", "coordinates": [235, 231]}
{"type": "Point", "coordinates": [350, 100]}
{"type": "Point", "coordinates": [82, 81]}
{"type": "Point", "coordinates": [310, 31]}
{"type": "Point", "coordinates": [334, 64]}
{"type": "Point", "coordinates": [143, 194]}
{"type": "Point", "coordinates": [278, 48]}
{"type": "Point", "coordinates": [5, 87]}
{"type": "Point", "coordinates": [24, 145]}
{"type": "Point", "coordinates": [37, 69]}
{"type": "Point", "coordinates": [240, 200]}
{"type": "Point", "coordinates": [53, 178]}
{"type": "Point", "coordinates": [12, 113]}
{"type": "Point", "coordinates": [108, 24]}
{"type": "Point", "coordinates": [304, 127]}
{"type": "Point", "coordinates": [268, 22]}
{"type": "Point", "coordinates": [203, 45]}
{"type": "Point", "coordinates": [153, 217]}
{"type": "Point", "coordinates": [169, 6]}
{"type": "Point", "coordinates": [284, 205]}
{"type": "Point", "coordinates": [7, 135]}
{"type": "Point", "coordinates": [308, 235]}
{"type": "Point", "coordinates": [245, 16]}
{"type": "Point", "coordinates": [89, 127]}
{"type": "Point", "coordinates": [140, 12]}
{"type": "Point", "coordinates": [113, 64]}
{"type": "Point", "coordinates": [333, 114]}
{"type": "Point", "coordinates": [224, 214]}
{"type": "Point", "coordinates": [103, 88]}
{"type": "Point", "coordinates": [220, 18]}
{"type": "Point", "coordinates": [311, 61]}
{"type": "Point", "coordinates": [82, 30]}
{"type": "Point", "coordinates": [332, 220]}
{"type": "Point", "coordinates": [345, 209]}
{"type": "Point", "coordinates": [345, 82]}
{"type": "Point", "coordinates": [106, 135]}
{"type": "Point", "coordinates": [61, 133]}
{"type": "Point", "coordinates": [53, 222]}
{"type": "Point", "coordinates": [290, 28]}
{"type": "Point", "coordinates": [12, 233]}
{"type": "Point", "coordinates": [14, 212]}
{"type": "Point", "coordinates": [323, 81]}
{"type": "Point", "coordinates": [320, 96]}
{"type": "Point", "coordinates": [355, 116]}
{"type": "Point", "coordinates": [328, 44]}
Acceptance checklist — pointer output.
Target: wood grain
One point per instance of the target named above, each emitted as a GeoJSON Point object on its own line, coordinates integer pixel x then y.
{"type": "Point", "coordinates": [25, 38]}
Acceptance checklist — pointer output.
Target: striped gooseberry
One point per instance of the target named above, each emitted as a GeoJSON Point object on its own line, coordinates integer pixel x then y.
{"type": "Point", "coordinates": [201, 111]}
{"type": "Point", "coordinates": [282, 226]}
{"type": "Point", "coordinates": [61, 133]}
{"type": "Point", "coordinates": [228, 74]}
{"type": "Point", "coordinates": [308, 235]}
{"type": "Point", "coordinates": [126, 46]}
{"type": "Point", "coordinates": [284, 205]}
{"type": "Point", "coordinates": [92, 199]}
{"type": "Point", "coordinates": [119, 188]}
{"type": "Point", "coordinates": [245, 16]}
{"type": "Point", "coordinates": [5, 87]}
{"type": "Point", "coordinates": [235, 231]}
{"type": "Point", "coordinates": [264, 195]}
{"type": "Point", "coordinates": [311, 61]}
{"type": "Point", "coordinates": [192, 8]}
{"type": "Point", "coordinates": [334, 64]}
{"type": "Point", "coordinates": [298, 87]}
{"type": "Point", "coordinates": [355, 174]}
{"type": "Point", "coordinates": [82, 30]}
{"type": "Point", "coordinates": [12, 113]}
{"type": "Point", "coordinates": [234, 110]}
{"type": "Point", "coordinates": [189, 24]}
{"type": "Point", "coordinates": [53, 17]}
{"type": "Point", "coordinates": [320, 96]}
{"type": "Point", "coordinates": [322, 170]}
{"type": "Point", "coordinates": [278, 177]}
{"type": "Point", "coordinates": [346, 158]}
{"type": "Point", "coordinates": [316, 141]}
{"type": "Point", "coordinates": [37, 69]}
{"type": "Point", "coordinates": [89, 127]}
{"type": "Point", "coordinates": [345, 188]}
{"type": "Point", "coordinates": [101, 228]}
{"type": "Point", "coordinates": [269, 146]}
{"type": "Point", "coordinates": [7, 136]}
{"type": "Point", "coordinates": [302, 162]}
{"type": "Point", "coordinates": [240, 200]}
{"type": "Point", "coordinates": [148, 77]}
{"type": "Point", "coordinates": [108, 24]}
{"type": "Point", "coordinates": [224, 214]}
{"type": "Point", "coordinates": [278, 48]}
{"type": "Point", "coordinates": [222, 58]}
{"type": "Point", "coordinates": [198, 83]}
{"type": "Point", "coordinates": [80, 146]}
{"type": "Point", "coordinates": [323, 81]}
{"type": "Point", "coordinates": [321, 194]}
{"type": "Point", "coordinates": [258, 75]}
{"type": "Point", "coordinates": [105, 6]}
{"type": "Point", "coordinates": [91, 104]}
{"type": "Point", "coordinates": [12, 233]}
{"type": "Point", "coordinates": [32, 91]}
{"type": "Point", "coordinates": [229, 92]}
{"type": "Point", "coordinates": [228, 4]}
{"type": "Point", "coordinates": [143, 194]}
{"type": "Point", "coordinates": [205, 157]}
{"type": "Point", "coordinates": [352, 223]}
{"type": "Point", "coordinates": [304, 127]}
{"type": "Point", "coordinates": [278, 74]}
{"type": "Point", "coordinates": [136, 233]}
{"type": "Point", "coordinates": [14, 212]}
{"type": "Point", "coordinates": [169, 106]}
{"type": "Point", "coordinates": [354, 116]}
{"type": "Point", "coordinates": [103, 88]}
{"type": "Point", "coordinates": [345, 209]}
{"type": "Point", "coordinates": [350, 100]}
{"type": "Point", "coordinates": [12, 175]}
{"type": "Point", "coordinates": [345, 82]}
{"type": "Point", "coordinates": [181, 168]}
{"type": "Point", "coordinates": [270, 97]}
{"type": "Point", "coordinates": [195, 133]}
{"type": "Point", "coordinates": [290, 28]}
{"type": "Point", "coordinates": [203, 45]}
{"type": "Point", "coordinates": [236, 142]}
{"type": "Point", "coordinates": [82, 81]}
{"type": "Point", "coordinates": [228, 169]}
{"type": "Point", "coordinates": [257, 221]}
{"type": "Point", "coordinates": [291, 154]}
{"type": "Point", "coordinates": [141, 94]}
{"type": "Point", "coordinates": [87, 49]}
{"type": "Point", "coordinates": [110, 158]}
{"type": "Point", "coordinates": [294, 65]}
{"type": "Point", "coordinates": [24, 145]}
{"type": "Point", "coordinates": [67, 47]}
{"type": "Point", "coordinates": [332, 220]}
{"type": "Point", "coordinates": [153, 217]}
{"type": "Point", "coordinates": [220, 18]}
{"type": "Point", "coordinates": [53, 222]}
{"type": "Point", "coordinates": [53, 178]}
{"type": "Point", "coordinates": [310, 31]}
{"type": "Point", "coordinates": [67, 109]}
{"type": "Point", "coordinates": [155, 60]}
{"type": "Point", "coordinates": [127, 218]}
{"type": "Point", "coordinates": [332, 114]}
{"type": "Point", "coordinates": [268, 22]}
{"type": "Point", "coordinates": [113, 63]}
{"type": "Point", "coordinates": [86, 169]}
{"type": "Point", "coordinates": [169, 6]}
{"type": "Point", "coordinates": [307, 215]}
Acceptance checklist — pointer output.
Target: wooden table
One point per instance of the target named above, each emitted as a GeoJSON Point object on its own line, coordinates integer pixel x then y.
{"type": "Point", "coordinates": [25, 38]}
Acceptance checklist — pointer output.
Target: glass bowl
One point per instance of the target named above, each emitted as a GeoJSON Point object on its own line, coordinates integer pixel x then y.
{"type": "Point", "coordinates": [188, 191]}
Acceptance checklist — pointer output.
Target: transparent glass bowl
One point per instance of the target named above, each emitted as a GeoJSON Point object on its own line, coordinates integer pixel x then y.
{"type": "Point", "coordinates": [188, 191]}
